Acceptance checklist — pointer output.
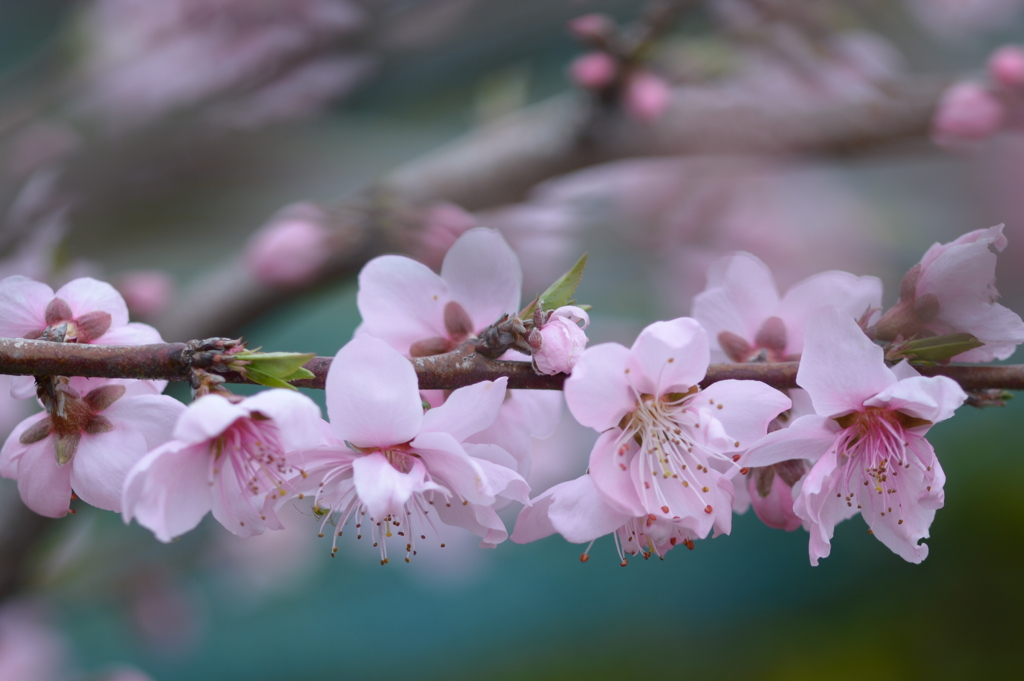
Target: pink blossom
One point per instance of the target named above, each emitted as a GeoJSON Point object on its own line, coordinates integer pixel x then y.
{"type": "Point", "coordinates": [666, 447]}
{"type": "Point", "coordinates": [291, 249]}
{"type": "Point", "coordinates": [442, 224]}
{"type": "Point", "coordinates": [226, 457]}
{"type": "Point", "coordinates": [967, 111]}
{"type": "Point", "coordinates": [393, 468]}
{"type": "Point", "coordinates": [866, 440]}
{"type": "Point", "coordinates": [86, 445]}
{"type": "Point", "coordinates": [771, 490]}
{"type": "Point", "coordinates": [647, 96]}
{"type": "Point", "coordinates": [745, 318]}
{"type": "Point", "coordinates": [593, 70]}
{"type": "Point", "coordinates": [560, 341]}
{"type": "Point", "coordinates": [29, 649]}
{"type": "Point", "coordinates": [418, 312]}
{"type": "Point", "coordinates": [1006, 66]}
{"type": "Point", "coordinates": [82, 311]}
{"type": "Point", "coordinates": [146, 292]}
{"type": "Point", "coordinates": [580, 513]}
{"type": "Point", "coordinates": [953, 290]}
{"type": "Point", "coordinates": [593, 26]}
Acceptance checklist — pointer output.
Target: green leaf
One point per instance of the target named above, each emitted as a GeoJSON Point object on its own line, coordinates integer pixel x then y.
{"type": "Point", "coordinates": [560, 292]}
{"type": "Point", "coordinates": [273, 369]}
{"type": "Point", "coordinates": [940, 348]}
{"type": "Point", "coordinates": [257, 376]}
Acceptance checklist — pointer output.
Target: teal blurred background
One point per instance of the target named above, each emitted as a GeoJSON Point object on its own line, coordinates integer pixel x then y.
{"type": "Point", "coordinates": [743, 606]}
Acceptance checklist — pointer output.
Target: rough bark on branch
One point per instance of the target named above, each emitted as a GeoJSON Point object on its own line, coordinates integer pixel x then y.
{"type": "Point", "coordinates": [175, 361]}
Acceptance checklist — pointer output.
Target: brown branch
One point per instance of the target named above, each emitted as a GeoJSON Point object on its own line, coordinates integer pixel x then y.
{"type": "Point", "coordinates": [175, 361]}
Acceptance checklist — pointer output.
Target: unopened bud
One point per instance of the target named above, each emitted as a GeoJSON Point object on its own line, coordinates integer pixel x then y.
{"type": "Point", "coordinates": [594, 70]}
{"type": "Point", "coordinates": [647, 96]}
{"type": "Point", "coordinates": [592, 27]}
{"type": "Point", "coordinates": [1006, 66]}
{"type": "Point", "coordinates": [289, 251]}
{"type": "Point", "coordinates": [562, 341]}
{"type": "Point", "coordinates": [146, 292]}
{"type": "Point", "coordinates": [967, 111]}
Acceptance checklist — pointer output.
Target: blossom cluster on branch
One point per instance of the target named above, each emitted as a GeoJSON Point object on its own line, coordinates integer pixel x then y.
{"type": "Point", "coordinates": [673, 461]}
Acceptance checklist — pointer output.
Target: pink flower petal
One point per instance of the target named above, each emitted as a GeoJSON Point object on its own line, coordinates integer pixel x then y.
{"type": "Point", "coordinates": [13, 450]}
{"type": "Point", "coordinates": [129, 334]}
{"type": "Point", "coordinates": [574, 509]}
{"type": "Point", "coordinates": [241, 512]}
{"type": "Point", "coordinates": [611, 475]}
{"type": "Point", "coordinates": [44, 486]}
{"type": "Point", "coordinates": [840, 367]}
{"type": "Point", "coordinates": [819, 506]}
{"type": "Point", "coordinates": [504, 482]}
{"type": "Point", "coordinates": [597, 392]}
{"type": "Point", "coordinates": [852, 295]}
{"type": "Point", "coordinates": [467, 410]}
{"type": "Point", "coordinates": [809, 437]}
{"type": "Point", "coordinates": [23, 304]}
{"type": "Point", "coordinates": [23, 387]}
{"type": "Point", "coordinates": [168, 490]}
{"type": "Point", "coordinates": [483, 275]}
{"type": "Point", "coordinates": [450, 465]}
{"type": "Point", "coordinates": [372, 395]}
{"type": "Point", "coordinates": [668, 357]}
{"type": "Point", "coordinates": [102, 462]}
{"type": "Point", "coordinates": [744, 408]}
{"type": "Point", "coordinates": [207, 418]}
{"type": "Point", "coordinates": [382, 489]}
{"type": "Point", "coordinates": [933, 399]}
{"type": "Point", "coordinates": [154, 416]}
{"type": "Point", "coordinates": [297, 416]}
{"type": "Point", "coordinates": [739, 296]}
{"type": "Point", "coordinates": [479, 519]}
{"type": "Point", "coordinates": [89, 295]}
{"type": "Point", "coordinates": [401, 301]}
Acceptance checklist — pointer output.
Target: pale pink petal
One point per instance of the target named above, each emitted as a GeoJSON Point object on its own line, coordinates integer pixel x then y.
{"type": "Point", "coordinates": [524, 415]}
{"type": "Point", "coordinates": [467, 410]}
{"type": "Point", "coordinates": [483, 275]}
{"type": "Point", "coordinates": [739, 296]}
{"type": "Point", "coordinates": [819, 507]}
{"type": "Point", "coordinates": [89, 295]}
{"type": "Point", "coordinates": [297, 416]}
{"type": "Point", "coordinates": [597, 392]}
{"type": "Point", "coordinates": [449, 464]}
{"type": "Point", "coordinates": [899, 521]}
{"type": "Point", "coordinates": [168, 491]}
{"type": "Point", "coordinates": [102, 462]}
{"type": "Point", "coordinates": [241, 512]}
{"type": "Point", "coordinates": [840, 366]}
{"type": "Point", "coordinates": [479, 519]}
{"type": "Point", "coordinates": [574, 509]}
{"type": "Point", "coordinates": [611, 475]}
{"type": "Point", "coordinates": [372, 395]}
{"type": "Point", "coordinates": [504, 482]}
{"type": "Point", "coordinates": [129, 334]}
{"type": "Point", "coordinates": [933, 399]}
{"type": "Point", "coordinates": [807, 438]}
{"type": "Point", "coordinates": [401, 301]}
{"type": "Point", "coordinates": [44, 486]}
{"type": "Point", "coordinates": [668, 357]}
{"type": "Point", "coordinates": [154, 416]}
{"type": "Point", "coordinates": [852, 295]}
{"type": "Point", "coordinates": [903, 369]}
{"type": "Point", "coordinates": [207, 418]}
{"type": "Point", "coordinates": [23, 304]}
{"type": "Point", "coordinates": [776, 509]}
{"type": "Point", "coordinates": [13, 450]}
{"type": "Point", "coordinates": [744, 408]}
{"type": "Point", "coordinates": [491, 452]}
{"type": "Point", "coordinates": [383, 489]}
{"type": "Point", "coordinates": [23, 387]}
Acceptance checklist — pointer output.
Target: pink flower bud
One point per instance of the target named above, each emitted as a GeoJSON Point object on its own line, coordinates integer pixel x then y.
{"type": "Point", "coordinates": [647, 97]}
{"type": "Point", "coordinates": [288, 251]}
{"type": "Point", "coordinates": [562, 341]}
{"type": "Point", "coordinates": [594, 70]}
{"type": "Point", "coordinates": [147, 292]}
{"type": "Point", "coordinates": [967, 111]}
{"type": "Point", "coordinates": [1006, 66]}
{"type": "Point", "coordinates": [591, 27]}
